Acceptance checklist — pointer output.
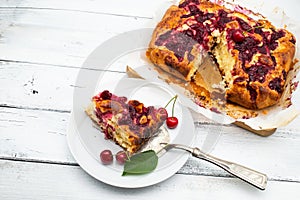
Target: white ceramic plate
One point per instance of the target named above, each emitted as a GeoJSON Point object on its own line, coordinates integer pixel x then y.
{"type": "Point", "coordinates": [168, 164]}
{"type": "Point", "coordinates": [86, 142]}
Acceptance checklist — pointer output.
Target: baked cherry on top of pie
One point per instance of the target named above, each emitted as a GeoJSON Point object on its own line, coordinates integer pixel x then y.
{"type": "Point", "coordinates": [253, 56]}
{"type": "Point", "coordinates": [129, 123]}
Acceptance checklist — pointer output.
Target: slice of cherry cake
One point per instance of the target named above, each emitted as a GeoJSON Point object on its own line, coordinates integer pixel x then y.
{"type": "Point", "coordinates": [252, 55]}
{"type": "Point", "coordinates": [129, 123]}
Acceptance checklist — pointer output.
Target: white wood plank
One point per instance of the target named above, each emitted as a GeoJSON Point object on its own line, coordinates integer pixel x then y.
{"type": "Point", "coordinates": [59, 38]}
{"type": "Point", "coordinates": [21, 180]}
{"type": "Point", "coordinates": [40, 135]}
{"type": "Point", "coordinates": [34, 135]}
{"type": "Point", "coordinates": [37, 86]}
{"type": "Point", "coordinates": [135, 8]}
{"type": "Point", "coordinates": [40, 86]}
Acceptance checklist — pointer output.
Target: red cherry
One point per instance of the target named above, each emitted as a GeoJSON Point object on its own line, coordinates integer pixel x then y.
{"type": "Point", "coordinates": [106, 157]}
{"type": "Point", "coordinates": [121, 157]}
{"type": "Point", "coordinates": [172, 122]}
{"type": "Point", "coordinates": [238, 36]}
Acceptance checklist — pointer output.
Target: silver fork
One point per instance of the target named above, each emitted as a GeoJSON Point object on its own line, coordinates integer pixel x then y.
{"type": "Point", "coordinates": [251, 176]}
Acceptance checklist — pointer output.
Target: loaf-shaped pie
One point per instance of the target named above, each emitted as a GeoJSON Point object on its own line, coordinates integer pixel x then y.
{"type": "Point", "coordinates": [252, 56]}
{"type": "Point", "coordinates": [129, 123]}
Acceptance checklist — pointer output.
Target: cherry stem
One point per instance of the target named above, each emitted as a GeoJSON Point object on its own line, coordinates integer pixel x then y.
{"type": "Point", "coordinates": [173, 98]}
{"type": "Point", "coordinates": [174, 105]}
{"type": "Point", "coordinates": [128, 157]}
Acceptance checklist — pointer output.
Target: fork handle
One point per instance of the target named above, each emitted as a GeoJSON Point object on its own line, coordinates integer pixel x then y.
{"type": "Point", "coordinates": [251, 176]}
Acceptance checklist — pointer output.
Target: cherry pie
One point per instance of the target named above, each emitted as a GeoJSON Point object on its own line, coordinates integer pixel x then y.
{"type": "Point", "coordinates": [128, 123]}
{"type": "Point", "coordinates": [253, 57]}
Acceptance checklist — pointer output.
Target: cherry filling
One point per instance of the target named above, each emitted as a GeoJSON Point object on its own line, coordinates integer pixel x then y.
{"type": "Point", "coordinates": [293, 40]}
{"type": "Point", "coordinates": [244, 25]}
{"type": "Point", "coordinates": [253, 93]}
{"type": "Point", "coordinates": [258, 72]}
{"type": "Point", "coordinates": [222, 20]}
{"type": "Point", "coordinates": [274, 37]}
{"type": "Point", "coordinates": [178, 42]}
{"type": "Point", "coordinates": [275, 84]}
{"type": "Point", "coordinates": [247, 48]}
{"type": "Point", "coordinates": [284, 74]}
{"type": "Point", "coordinates": [132, 113]}
{"type": "Point", "coordinates": [187, 2]}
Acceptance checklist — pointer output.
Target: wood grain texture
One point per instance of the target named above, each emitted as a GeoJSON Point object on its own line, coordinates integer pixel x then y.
{"type": "Point", "coordinates": [132, 8]}
{"type": "Point", "coordinates": [40, 86]}
{"type": "Point", "coordinates": [34, 135]}
{"type": "Point", "coordinates": [58, 38]}
{"type": "Point", "coordinates": [44, 181]}
{"type": "Point", "coordinates": [37, 86]}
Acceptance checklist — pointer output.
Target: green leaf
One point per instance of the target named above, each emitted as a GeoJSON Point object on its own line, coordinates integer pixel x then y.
{"type": "Point", "coordinates": [141, 163]}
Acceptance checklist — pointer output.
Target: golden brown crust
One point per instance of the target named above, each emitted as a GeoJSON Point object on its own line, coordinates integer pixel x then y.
{"type": "Point", "coordinates": [161, 56]}
{"type": "Point", "coordinates": [254, 69]}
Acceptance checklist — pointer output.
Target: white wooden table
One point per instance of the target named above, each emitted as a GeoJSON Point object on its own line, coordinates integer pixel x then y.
{"type": "Point", "coordinates": [42, 46]}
